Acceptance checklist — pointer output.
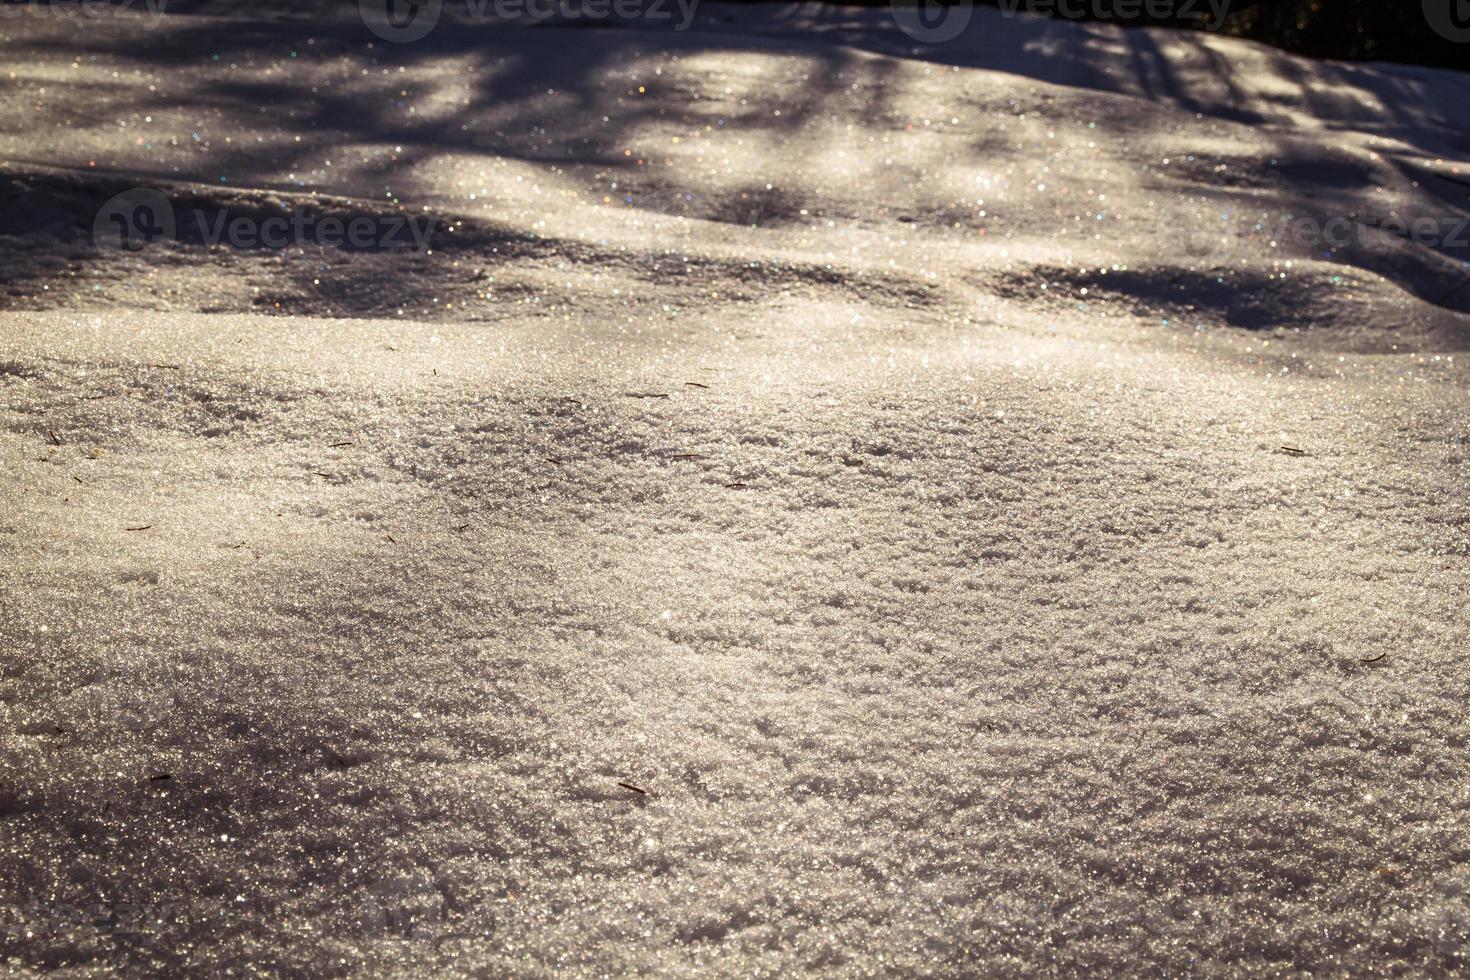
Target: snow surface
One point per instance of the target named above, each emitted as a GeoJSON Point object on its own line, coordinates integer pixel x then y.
{"type": "Point", "coordinates": [746, 436]}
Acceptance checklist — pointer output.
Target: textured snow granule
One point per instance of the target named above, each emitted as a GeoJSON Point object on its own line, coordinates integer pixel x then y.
{"type": "Point", "coordinates": [742, 543]}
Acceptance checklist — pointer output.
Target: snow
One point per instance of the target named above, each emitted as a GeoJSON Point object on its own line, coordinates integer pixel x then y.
{"type": "Point", "coordinates": [949, 619]}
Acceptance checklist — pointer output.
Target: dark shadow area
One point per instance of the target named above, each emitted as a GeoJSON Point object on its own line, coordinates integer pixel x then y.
{"type": "Point", "coordinates": [1341, 30]}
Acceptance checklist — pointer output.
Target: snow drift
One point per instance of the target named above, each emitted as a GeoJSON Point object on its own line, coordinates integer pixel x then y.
{"type": "Point", "coordinates": [817, 502]}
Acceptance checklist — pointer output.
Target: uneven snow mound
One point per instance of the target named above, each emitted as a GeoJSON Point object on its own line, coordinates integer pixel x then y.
{"type": "Point", "coordinates": [789, 499]}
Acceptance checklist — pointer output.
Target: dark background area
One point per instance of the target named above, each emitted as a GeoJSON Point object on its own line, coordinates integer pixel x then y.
{"type": "Point", "coordinates": [1349, 30]}
{"type": "Point", "coordinates": [1369, 30]}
